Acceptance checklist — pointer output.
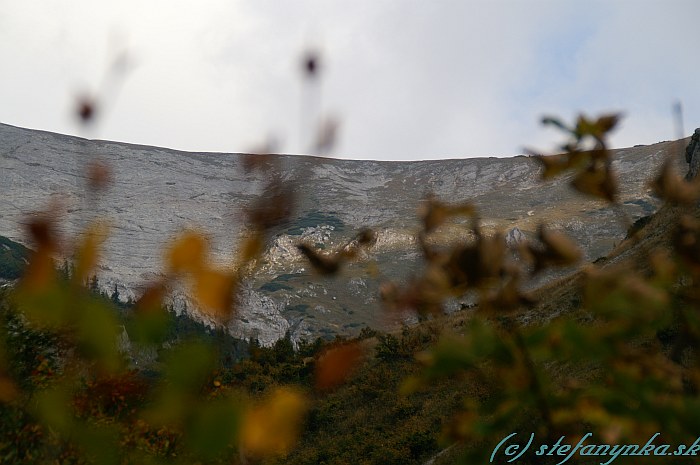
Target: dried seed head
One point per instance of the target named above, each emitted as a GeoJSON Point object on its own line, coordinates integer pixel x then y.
{"type": "Point", "coordinates": [311, 64]}
{"type": "Point", "coordinates": [86, 109]}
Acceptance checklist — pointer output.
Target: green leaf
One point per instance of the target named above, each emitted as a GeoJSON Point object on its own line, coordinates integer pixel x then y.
{"type": "Point", "coordinates": [52, 406]}
{"type": "Point", "coordinates": [187, 367]}
{"type": "Point", "coordinates": [213, 428]}
{"type": "Point", "coordinates": [97, 331]}
{"type": "Point", "coordinates": [100, 443]}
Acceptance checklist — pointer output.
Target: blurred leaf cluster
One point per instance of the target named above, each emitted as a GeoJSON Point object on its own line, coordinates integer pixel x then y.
{"type": "Point", "coordinates": [621, 362]}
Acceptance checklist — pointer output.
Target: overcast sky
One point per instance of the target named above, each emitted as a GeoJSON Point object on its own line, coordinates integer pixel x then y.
{"type": "Point", "coordinates": [406, 79]}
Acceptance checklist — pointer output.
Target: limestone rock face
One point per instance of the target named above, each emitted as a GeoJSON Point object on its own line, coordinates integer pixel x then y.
{"type": "Point", "coordinates": [692, 155]}
{"type": "Point", "coordinates": [514, 237]}
{"type": "Point", "coordinates": [157, 192]}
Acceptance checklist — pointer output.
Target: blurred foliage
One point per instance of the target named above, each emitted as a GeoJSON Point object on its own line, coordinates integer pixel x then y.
{"type": "Point", "coordinates": [623, 365]}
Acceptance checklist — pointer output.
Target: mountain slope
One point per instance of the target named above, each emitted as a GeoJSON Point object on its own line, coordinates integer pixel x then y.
{"type": "Point", "coordinates": [13, 258]}
{"type": "Point", "coordinates": [157, 192]}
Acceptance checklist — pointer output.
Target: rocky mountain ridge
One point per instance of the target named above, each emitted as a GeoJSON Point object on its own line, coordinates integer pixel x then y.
{"type": "Point", "coordinates": [157, 192]}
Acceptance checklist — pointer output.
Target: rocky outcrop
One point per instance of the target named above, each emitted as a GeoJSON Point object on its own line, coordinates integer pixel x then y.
{"type": "Point", "coordinates": [692, 155]}
{"type": "Point", "coordinates": [514, 237]}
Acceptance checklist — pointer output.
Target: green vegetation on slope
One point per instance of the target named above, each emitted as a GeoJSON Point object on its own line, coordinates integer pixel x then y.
{"type": "Point", "coordinates": [363, 421]}
{"type": "Point", "coordinates": [13, 258]}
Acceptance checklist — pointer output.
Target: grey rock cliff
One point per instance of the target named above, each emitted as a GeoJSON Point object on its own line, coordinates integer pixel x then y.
{"type": "Point", "coordinates": [692, 155]}
{"type": "Point", "coordinates": [514, 237]}
{"type": "Point", "coordinates": [157, 192]}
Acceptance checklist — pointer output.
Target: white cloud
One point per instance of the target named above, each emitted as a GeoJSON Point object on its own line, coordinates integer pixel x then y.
{"type": "Point", "coordinates": [409, 79]}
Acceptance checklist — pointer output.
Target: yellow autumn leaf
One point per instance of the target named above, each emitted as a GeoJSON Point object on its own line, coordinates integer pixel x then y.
{"type": "Point", "coordinates": [272, 428]}
{"type": "Point", "coordinates": [213, 290]}
{"type": "Point", "coordinates": [187, 253]}
{"type": "Point", "coordinates": [87, 252]}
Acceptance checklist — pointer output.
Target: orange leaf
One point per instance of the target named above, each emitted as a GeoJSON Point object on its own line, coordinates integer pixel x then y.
{"type": "Point", "coordinates": [40, 273]}
{"type": "Point", "coordinates": [214, 291]}
{"type": "Point", "coordinates": [8, 390]}
{"type": "Point", "coordinates": [336, 365]}
{"type": "Point", "coordinates": [152, 299]}
{"type": "Point", "coordinates": [187, 253]}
